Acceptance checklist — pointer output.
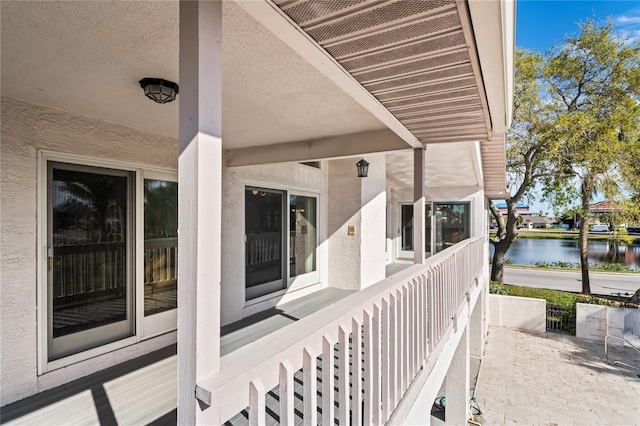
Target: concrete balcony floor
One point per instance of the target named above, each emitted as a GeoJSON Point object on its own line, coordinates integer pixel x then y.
{"type": "Point", "coordinates": [550, 379]}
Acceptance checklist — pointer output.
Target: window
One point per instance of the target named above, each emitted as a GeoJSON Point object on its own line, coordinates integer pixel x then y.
{"type": "Point", "coordinates": [452, 224]}
{"type": "Point", "coordinates": [109, 271]}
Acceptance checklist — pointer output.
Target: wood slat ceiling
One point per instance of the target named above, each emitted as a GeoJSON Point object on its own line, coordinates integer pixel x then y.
{"type": "Point", "coordinates": [414, 56]}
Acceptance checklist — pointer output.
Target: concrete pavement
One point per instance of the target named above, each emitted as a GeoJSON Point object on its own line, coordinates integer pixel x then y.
{"type": "Point", "coordinates": [601, 282]}
{"type": "Point", "coordinates": [548, 379]}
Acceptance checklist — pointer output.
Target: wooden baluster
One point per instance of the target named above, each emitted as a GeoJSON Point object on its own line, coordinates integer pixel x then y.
{"type": "Point", "coordinates": [343, 376]}
{"type": "Point", "coordinates": [356, 371]}
{"type": "Point", "coordinates": [394, 377]}
{"type": "Point", "coordinates": [367, 416]}
{"type": "Point", "coordinates": [375, 365]}
{"type": "Point", "coordinates": [287, 392]}
{"type": "Point", "coordinates": [406, 354]}
{"type": "Point", "coordinates": [310, 378]}
{"type": "Point", "coordinates": [328, 398]}
{"type": "Point", "coordinates": [385, 362]}
{"type": "Point", "coordinates": [257, 406]}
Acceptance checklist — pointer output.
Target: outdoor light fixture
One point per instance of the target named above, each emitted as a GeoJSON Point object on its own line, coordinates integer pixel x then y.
{"type": "Point", "coordinates": [159, 90]}
{"type": "Point", "coordinates": [363, 168]}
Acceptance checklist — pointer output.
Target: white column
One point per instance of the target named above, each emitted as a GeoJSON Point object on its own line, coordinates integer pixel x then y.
{"type": "Point", "coordinates": [199, 202]}
{"type": "Point", "coordinates": [419, 251]}
{"type": "Point", "coordinates": [457, 383]}
{"type": "Point", "coordinates": [476, 334]}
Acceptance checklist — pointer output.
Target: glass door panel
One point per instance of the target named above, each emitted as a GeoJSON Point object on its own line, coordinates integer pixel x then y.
{"type": "Point", "coordinates": [452, 224]}
{"type": "Point", "coordinates": [160, 260]}
{"type": "Point", "coordinates": [303, 235]}
{"type": "Point", "coordinates": [90, 265]}
{"type": "Point", "coordinates": [263, 241]}
{"type": "Point", "coordinates": [405, 243]}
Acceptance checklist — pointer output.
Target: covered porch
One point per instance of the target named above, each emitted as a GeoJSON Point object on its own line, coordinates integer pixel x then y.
{"type": "Point", "coordinates": [277, 102]}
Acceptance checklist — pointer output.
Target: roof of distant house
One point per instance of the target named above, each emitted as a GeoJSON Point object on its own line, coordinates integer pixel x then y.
{"type": "Point", "coordinates": [604, 206]}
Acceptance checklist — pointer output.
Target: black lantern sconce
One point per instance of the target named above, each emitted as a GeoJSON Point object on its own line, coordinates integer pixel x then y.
{"type": "Point", "coordinates": [363, 168]}
{"type": "Point", "coordinates": [159, 90]}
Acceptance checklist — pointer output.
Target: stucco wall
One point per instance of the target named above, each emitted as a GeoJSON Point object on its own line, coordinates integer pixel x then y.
{"type": "Point", "coordinates": [344, 210]}
{"type": "Point", "coordinates": [234, 179]}
{"type": "Point", "coordinates": [518, 312]}
{"type": "Point", "coordinates": [25, 129]}
{"type": "Point", "coordinates": [357, 261]}
{"type": "Point", "coordinates": [594, 322]}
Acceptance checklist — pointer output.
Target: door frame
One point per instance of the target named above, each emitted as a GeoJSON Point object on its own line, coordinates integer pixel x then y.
{"type": "Point", "coordinates": [152, 325]}
{"type": "Point", "coordinates": [400, 253]}
{"type": "Point", "coordinates": [296, 283]}
{"type": "Point", "coordinates": [42, 313]}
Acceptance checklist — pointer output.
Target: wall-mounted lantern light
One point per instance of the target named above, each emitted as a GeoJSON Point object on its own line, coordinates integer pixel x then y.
{"type": "Point", "coordinates": [363, 168]}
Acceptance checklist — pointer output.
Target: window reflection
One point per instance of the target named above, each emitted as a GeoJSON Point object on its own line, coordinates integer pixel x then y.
{"type": "Point", "coordinates": [452, 224]}
{"type": "Point", "coordinates": [302, 235]}
{"type": "Point", "coordinates": [160, 246]}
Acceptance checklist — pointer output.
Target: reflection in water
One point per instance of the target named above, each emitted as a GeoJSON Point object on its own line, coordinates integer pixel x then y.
{"type": "Point", "coordinates": [529, 251]}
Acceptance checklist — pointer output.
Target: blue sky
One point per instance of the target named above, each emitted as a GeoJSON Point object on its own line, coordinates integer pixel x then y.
{"type": "Point", "coordinates": [541, 24]}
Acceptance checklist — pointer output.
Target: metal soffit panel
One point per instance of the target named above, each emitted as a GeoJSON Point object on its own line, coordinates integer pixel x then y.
{"type": "Point", "coordinates": [412, 55]}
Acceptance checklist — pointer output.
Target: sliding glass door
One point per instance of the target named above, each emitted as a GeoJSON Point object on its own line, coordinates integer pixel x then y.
{"type": "Point", "coordinates": [264, 236]}
{"type": "Point", "coordinates": [160, 259]}
{"type": "Point", "coordinates": [90, 268]}
{"type": "Point", "coordinates": [445, 225]}
{"type": "Point", "coordinates": [451, 224]}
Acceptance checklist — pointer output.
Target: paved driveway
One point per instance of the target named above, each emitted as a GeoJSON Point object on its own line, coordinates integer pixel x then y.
{"type": "Point", "coordinates": [548, 379]}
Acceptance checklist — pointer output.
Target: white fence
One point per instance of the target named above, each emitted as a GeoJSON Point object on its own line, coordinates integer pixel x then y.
{"type": "Point", "coordinates": [396, 323]}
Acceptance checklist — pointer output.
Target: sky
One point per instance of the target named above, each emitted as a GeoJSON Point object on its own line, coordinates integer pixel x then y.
{"type": "Point", "coordinates": [541, 24]}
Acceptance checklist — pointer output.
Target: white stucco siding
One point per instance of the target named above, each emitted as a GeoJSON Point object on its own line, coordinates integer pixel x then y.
{"type": "Point", "coordinates": [344, 211]}
{"type": "Point", "coordinates": [286, 176]}
{"type": "Point", "coordinates": [26, 128]}
{"type": "Point", "coordinates": [373, 224]}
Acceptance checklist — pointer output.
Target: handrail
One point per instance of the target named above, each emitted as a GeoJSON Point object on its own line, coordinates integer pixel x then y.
{"type": "Point", "coordinates": [413, 309]}
{"type": "Point", "coordinates": [606, 350]}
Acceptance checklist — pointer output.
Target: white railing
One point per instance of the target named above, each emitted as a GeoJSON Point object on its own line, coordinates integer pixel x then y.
{"type": "Point", "coordinates": [397, 323]}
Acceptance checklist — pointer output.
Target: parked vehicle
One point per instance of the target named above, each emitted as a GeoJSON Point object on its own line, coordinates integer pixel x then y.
{"type": "Point", "coordinates": [600, 228]}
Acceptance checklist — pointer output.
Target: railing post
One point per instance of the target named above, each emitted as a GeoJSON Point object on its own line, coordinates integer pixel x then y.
{"type": "Point", "coordinates": [356, 371]}
{"type": "Point", "coordinates": [419, 246]}
{"type": "Point", "coordinates": [343, 376]}
{"type": "Point", "coordinates": [287, 392]}
{"type": "Point", "coordinates": [199, 204]}
{"type": "Point", "coordinates": [310, 384]}
{"type": "Point", "coordinates": [328, 364]}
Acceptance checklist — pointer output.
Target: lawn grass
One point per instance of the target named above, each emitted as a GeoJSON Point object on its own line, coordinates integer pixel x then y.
{"type": "Point", "coordinates": [553, 297]}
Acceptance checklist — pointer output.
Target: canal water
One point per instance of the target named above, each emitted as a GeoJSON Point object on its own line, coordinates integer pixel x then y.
{"type": "Point", "coordinates": [525, 251]}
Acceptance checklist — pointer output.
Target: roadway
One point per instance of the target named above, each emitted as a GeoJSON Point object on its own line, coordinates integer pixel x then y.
{"type": "Point", "coordinates": [601, 282]}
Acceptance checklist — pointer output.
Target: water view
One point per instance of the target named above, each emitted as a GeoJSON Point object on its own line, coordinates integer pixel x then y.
{"type": "Point", "coordinates": [525, 251]}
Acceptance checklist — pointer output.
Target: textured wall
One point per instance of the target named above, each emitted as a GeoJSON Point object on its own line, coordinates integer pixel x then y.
{"type": "Point", "coordinates": [373, 222]}
{"type": "Point", "coordinates": [25, 129]}
{"type": "Point", "coordinates": [344, 210]}
{"type": "Point", "coordinates": [518, 312]}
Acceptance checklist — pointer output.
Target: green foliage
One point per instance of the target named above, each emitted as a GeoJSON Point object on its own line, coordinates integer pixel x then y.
{"type": "Point", "coordinates": [497, 288]}
{"type": "Point", "coordinates": [553, 297]}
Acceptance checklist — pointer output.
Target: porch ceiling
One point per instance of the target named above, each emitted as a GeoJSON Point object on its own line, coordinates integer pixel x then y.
{"type": "Point", "coordinates": [446, 164]}
{"type": "Point", "coordinates": [411, 69]}
{"type": "Point", "coordinates": [417, 58]}
{"type": "Point", "coordinates": [87, 58]}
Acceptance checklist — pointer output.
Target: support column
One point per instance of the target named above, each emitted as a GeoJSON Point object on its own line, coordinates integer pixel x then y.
{"type": "Point", "coordinates": [457, 384]}
{"type": "Point", "coordinates": [419, 251]}
{"type": "Point", "coordinates": [199, 202]}
{"type": "Point", "coordinates": [476, 334]}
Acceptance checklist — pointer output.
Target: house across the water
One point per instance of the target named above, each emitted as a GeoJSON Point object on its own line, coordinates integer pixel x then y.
{"type": "Point", "coordinates": [291, 193]}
